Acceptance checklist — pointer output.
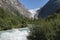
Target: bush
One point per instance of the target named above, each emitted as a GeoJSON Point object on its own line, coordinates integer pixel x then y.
{"type": "Point", "coordinates": [46, 29]}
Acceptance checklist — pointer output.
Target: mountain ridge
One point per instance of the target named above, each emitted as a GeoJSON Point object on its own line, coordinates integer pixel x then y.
{"type": "Point", "coordinates": [49, 8]}
{"type": "Point", "coordinates": [15, 5]}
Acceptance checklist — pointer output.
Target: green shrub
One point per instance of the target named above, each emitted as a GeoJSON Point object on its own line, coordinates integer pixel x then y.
{"type": "Point", "coordinates": [46, 29]}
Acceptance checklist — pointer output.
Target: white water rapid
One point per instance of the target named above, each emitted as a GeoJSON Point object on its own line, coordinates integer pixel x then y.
{"type": "Point", "coordinates": [14, 34]}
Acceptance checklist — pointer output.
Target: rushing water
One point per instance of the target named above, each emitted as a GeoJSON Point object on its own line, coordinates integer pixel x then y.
{"type": "Point", "coordinates": [14, 34]}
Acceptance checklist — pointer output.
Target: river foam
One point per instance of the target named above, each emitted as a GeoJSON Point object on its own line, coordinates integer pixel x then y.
{"type": "Point", "coordinates": [14, 34]}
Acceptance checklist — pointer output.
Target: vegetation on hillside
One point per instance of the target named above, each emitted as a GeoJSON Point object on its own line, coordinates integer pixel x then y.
{"type": "Point", "coordinates": [47, 28]}
{"type": "Point", "coordinates": [8, 20]}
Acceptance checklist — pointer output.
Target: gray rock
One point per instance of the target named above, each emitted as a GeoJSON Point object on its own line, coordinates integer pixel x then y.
{"type": "Point", "coordinates": [51, 7]}
{"type": "Point", "coordinates": [15, 6]}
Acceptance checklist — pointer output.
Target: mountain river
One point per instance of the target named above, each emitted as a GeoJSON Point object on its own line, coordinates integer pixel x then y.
{"type": "Point", "coordinates": [15, 34]}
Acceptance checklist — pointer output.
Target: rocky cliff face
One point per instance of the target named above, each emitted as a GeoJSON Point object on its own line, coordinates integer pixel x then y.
{"type": "Point", "coordinates": [49, 8]}
{"type": "Point", "coordinates": [13, 6]}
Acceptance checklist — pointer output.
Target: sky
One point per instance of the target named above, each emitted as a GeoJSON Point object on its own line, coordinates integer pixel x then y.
{"type": "Point", "coordinates": [32, 4]}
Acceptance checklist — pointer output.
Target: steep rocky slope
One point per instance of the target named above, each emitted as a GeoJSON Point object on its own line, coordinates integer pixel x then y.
{"type": "Point", "coordinates": [12, 14]}
{"type": "Point", "coordinates": [15, 5]}
{"type": "Point", "coordinates": [49, 8]}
